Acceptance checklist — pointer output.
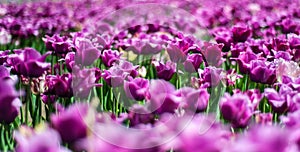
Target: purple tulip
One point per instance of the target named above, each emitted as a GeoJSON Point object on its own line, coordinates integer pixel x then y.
{"type": "Point", "coordinates": [279, 101]}
{"type": "Point", "coordinates": [288, 26]}
{"type": "Point", "coordinates": [84, 80]}
{"type": "Point", "coordinates": [109, 57]}
{"type": "Point", "coordinates": [211, 76]}
{"type": "Point", "coordinates": [262, 72]}
{"type": "Point", "coordinates": [29, 62]}
{"type": "Point", "coordinates": [4, 72]}
{"type": "Point", "coordinates": [165, 71]}
{"type": "Point", "coordinates": [212, 54]}
{"type": "Point", "coordinates": [240, 33]}
{"type": "Point", "coordinates": [176, 53]}
{"type": "Point", "coordinates": [59, 85]}
{"type": "Point", "coordinates": [244, 60]}
{"type": "Point", "coordinates": [163, 97]}
{"type": "Point", "coordinates": [116, 75]}
{"type": "Point", "coordinates": [136, 89]}
{"type": "Point", "coordinates": [9, 102]}
{"type": "Point", "coordinates": [86, 53]}
{"type": "Point", "coordinates": [71, 123]}
{"type": "Point", "coordinates": [193, 62]}
{"type": "Point", "coordinates": [237, 109]}
{"type": "Point", "coordinates": [222, 35]}
{"type": "Point", "coordinates": [70, 61]}
{"type": "Point", "coordinates": [144, 47]}
{"type": "Point", "coordinates": [57, 44]}
{"type": "Point", "coordinates": [194, 100]}
{"type": "Point", "coordinates": [139, 114]}
{"type": "Point", "coordinates": [294, 41]}
{"type": "Point", "coordinates": [37, 141]}
{"type": "Point", "coordinates": [3, 56]}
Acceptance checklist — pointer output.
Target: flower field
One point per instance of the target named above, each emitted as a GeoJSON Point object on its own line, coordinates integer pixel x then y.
{"type": "Point", "coordinates": [150, 76]}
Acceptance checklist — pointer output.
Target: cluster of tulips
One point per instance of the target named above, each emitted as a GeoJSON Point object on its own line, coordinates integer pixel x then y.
{"type": "Point", "coordinates": [163, 75]}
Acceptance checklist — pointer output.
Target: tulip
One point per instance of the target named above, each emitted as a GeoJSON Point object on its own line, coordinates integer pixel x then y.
{"type": "Point", "coordinates": [162, 97]}
{"type": "Point", "coordinates": [59, 85]}
{"type": "Point", "coordinates": [212, 54]}
{"type": "Point", "coordinates": [176, 53]}
{"type": "Point", "coordinates": [70, 61]}
{"type": "Point", "coordinates": [136, 88]}
{"type": "Point", "coordinates": [236, 109]}
{"type": "Point", "coordinates": [86, 53]}
{"type": "Point", "coordinates": [109, 57]}
{"type": "Point", "coordinates": [240, 33]}
{"type": "Point", "coordinates": [165, 71]}
{"type": "Point", "coordinates": [84, 80]}
{"type": "Point", "coordinates": [194, 100]}
{"type": "Point", "coordinates": [71, 124]}
{"type": "Point", "coordinates": [262, 72]}
{"type": "Point", "coordinates": [9, 102]}
{"type": "Point", "coordinates": [57, 44]}
{"type": "Point", "coordinates": [193, 62]}
{"type": "Point", "coordinates": [29, 62]}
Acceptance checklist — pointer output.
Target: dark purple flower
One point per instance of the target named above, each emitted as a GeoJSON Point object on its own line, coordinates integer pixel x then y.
{"type": "Point", "coordinates": [109, 57]}
{"type": "Point", "coordinates": [48, 99]}
{"type": "Point", "coordinates": [240, 33]}
{"type": "Point", "coordinates": [193, 62]}
{"type": "Point", "coordinates": [29, 62]}
{"type": "Point", "coordinates": [3, 56]}
{"type": "Point", "coordinates": [71, 123]}
{"type": "Point", "coordinates": [86, 53]}
{"type": "Point", "coordinates": [136, 89]}
{"type": "Point", "coordinates": [58, 44]}
{"type": "Point", "coordinates": [262, 72]}
{"type": "Point", "coordinates": [9, 102]}
{"type": "Point", "coordinates": [59, 85]}
{"type": "Point", "coordinates": [165, 71]}
{"type": "Point", "coordinates": [223, 35]}
{"type": "Point", "coordinates": [237, 109]}
{"type": "Point", "coordinates": [288, 26]}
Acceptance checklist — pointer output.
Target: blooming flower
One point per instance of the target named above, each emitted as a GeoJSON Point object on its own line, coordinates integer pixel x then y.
{"type": "Point", "coordinates": [109, 57]}
{"type": "Point", "coordinates": [136, 88]}
{"type": "Point", "coordinates": [165, 71]}
{"type": "Point", "coordinates": [9, 102]}
{"type": "Point", "coordinates": [29, 62]}
{"type": "Point", "coordinates": [237, 109]}
{"type": "Point", "coordinates": [58, 44]}
{"type": "Point", "coordinates": [65, 122]}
